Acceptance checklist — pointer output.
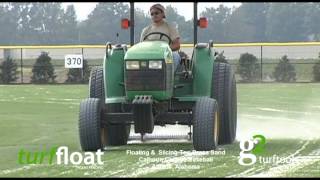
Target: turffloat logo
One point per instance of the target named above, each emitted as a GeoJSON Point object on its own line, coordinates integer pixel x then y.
{"type": "Point", "coordinates": [62, 156]}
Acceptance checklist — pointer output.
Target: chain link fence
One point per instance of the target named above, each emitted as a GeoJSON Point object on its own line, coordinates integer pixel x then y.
{"type": "Point", "coordinates": [303, 57]}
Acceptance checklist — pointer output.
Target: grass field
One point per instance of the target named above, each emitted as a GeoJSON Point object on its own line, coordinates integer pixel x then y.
{"type": "Point", "coordinates": [37, 117]}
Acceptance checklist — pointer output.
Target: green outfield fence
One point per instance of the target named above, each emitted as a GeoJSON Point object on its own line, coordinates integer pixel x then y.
{"type": "Point", "coordinates": [303, 56]}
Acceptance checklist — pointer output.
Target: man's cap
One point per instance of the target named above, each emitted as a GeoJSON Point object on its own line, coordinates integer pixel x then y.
{"type": "Point", "coordinates": [159, 7]}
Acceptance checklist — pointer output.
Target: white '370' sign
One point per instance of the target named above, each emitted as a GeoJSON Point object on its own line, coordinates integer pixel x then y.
{"type": "Point", "coordinates": [73, 61]}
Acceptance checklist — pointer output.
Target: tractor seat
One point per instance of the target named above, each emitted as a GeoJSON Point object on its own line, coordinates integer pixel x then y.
{"type": "Point", "coordinates": [120, 46]}
{"type": "Point", "coordinates": [201, 45]}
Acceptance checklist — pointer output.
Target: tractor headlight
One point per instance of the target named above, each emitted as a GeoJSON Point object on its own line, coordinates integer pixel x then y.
{"type": "Point", "coordinates": [132, 65]}
{"type": "Point", "coordinates": [155, 64]}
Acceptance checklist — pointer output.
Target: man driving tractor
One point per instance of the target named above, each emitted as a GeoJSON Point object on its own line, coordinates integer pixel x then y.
{"type": "Point", "coordinates": [157, 12]}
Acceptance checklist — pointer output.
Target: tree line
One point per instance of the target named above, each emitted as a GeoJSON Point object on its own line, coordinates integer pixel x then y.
{"type": "Point", "coordinates": [49, 23]}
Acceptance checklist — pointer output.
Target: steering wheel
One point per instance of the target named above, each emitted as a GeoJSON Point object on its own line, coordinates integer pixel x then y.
{"type": "Point", "coordinates": [161, 35]}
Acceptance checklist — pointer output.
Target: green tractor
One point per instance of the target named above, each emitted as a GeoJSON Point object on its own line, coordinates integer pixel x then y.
{"type": "Point", "coordinates": [138, 86]}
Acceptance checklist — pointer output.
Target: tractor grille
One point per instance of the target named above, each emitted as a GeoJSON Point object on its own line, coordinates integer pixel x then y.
{"type": "Point", "coordinates": [146, 79]}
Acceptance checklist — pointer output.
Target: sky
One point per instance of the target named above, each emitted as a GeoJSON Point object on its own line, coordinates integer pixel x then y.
{"type": "Point", "coordinates": [185, 9]}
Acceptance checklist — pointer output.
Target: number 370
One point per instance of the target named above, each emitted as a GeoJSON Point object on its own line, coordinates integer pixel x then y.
{"type": "Point", "coordinates": [71, 61]}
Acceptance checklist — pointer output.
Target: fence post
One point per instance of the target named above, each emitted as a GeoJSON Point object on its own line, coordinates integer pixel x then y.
{"type": "Point", "coordinates": [261, 78]}
{"type": "Point", "coordinates": [82, 78]}
{"type": "Point", "coordinates": [21, 66]}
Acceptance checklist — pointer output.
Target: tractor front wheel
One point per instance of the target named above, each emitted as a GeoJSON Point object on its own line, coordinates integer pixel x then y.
{"type": "Point", "coordinates": [115, 135]}
{"type": "Point", "coordinates": [224, 91]}
{"type": "Point", "coordinates": [205, 124]}
{"type": "Point", "coordinates": [91, 130]}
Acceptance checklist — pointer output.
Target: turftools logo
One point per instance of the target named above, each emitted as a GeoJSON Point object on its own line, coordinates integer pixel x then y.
{"type": "Point", "coordinates": [62, 156]}
{"type": "Point", "coordinates": [256, 146]}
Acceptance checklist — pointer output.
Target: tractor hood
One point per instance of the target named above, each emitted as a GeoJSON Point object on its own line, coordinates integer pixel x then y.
{"type": "Point", "coordinates": [149, 50]}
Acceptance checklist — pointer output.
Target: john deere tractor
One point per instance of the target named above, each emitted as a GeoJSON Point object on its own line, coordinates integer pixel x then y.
{"type": "Point", "coordinates": [138, 86]}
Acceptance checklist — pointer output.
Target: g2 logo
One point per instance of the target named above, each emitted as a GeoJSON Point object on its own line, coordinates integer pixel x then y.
{"type": "Point", "coordinates": [248, 145]}
{"type": "Point", "coordinates": [259, 148]}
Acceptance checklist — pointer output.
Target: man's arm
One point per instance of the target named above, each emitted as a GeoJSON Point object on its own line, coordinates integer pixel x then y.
{"type": "Point", "coordinates": [175, 37]}
{"type": "Point", "coordinates": [143, 33]}
{"type": "Point", "coordinates": [175, 45]}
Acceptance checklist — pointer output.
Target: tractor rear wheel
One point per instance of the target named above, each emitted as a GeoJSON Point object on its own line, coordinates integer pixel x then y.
{"type": "Point", "coordinates": [205, 124]}
{"type": "Point", "coordinates": [115, 134]}
{"type": "Point", "coordinates": [224, 91]}
{"type": "Point", "coordinates": [96, 83]}
{"type": "Point", "coordinates": [90, 127]}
